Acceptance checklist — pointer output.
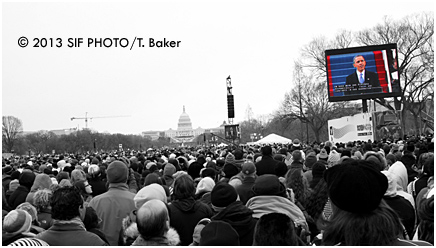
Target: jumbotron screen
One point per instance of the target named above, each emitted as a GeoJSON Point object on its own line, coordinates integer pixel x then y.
{"type": "Point", "coordinates": [363, 73]}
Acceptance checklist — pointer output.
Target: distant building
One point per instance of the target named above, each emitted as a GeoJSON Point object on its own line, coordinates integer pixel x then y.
{"type": "Point", "coordinates": [184, 134]}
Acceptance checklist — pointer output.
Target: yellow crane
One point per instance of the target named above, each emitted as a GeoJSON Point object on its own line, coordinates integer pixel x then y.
{"type": "Point", "coordinates": [86, 118]}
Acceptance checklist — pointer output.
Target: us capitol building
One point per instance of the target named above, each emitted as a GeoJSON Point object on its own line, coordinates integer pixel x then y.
{"type": "Point", "coordinates": [184, 133]}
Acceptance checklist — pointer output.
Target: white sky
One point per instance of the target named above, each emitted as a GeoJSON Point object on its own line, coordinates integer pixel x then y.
{"type": "Point", "coordinates": [255, 43]}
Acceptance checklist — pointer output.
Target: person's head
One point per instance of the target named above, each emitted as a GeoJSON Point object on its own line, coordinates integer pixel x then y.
{"type": "Point", "coordinates": [359, 63]}
{"type": "Point", "coordinates": [219, 233]}
{"type": "Point", "coordinates": [426, 215]}
{"type": "Point", "coordinates": [150, 192]}
{"type": "Point", "coordinates": [268, 184]}
{"type": "Point", "coordinates": [41, 199]}
{"type": "Point", "coordinates": [91, 219]}
{"type": "Point", "coordinates": [117, 172]}
{"type": "Point", "coordinates": [266, 151]}
{"type": "Point", "coordinates": [152, 219]}
{"type": "Point", "coordinates": [65, 203]}
{"type": "Point", "coordinates": [184, 187]}
{"type": "Point", "coordinates": [222, 195]}
{"type": "Point", "coordinates": [275, 229]}
{"type": "Point", "coordinates": [206, 184]}
{"type": "Point", "coordinates": [17, 222]}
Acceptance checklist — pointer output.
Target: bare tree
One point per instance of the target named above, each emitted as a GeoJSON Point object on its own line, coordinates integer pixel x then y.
{"type": "Point", "coordinates": [414, 38]}
{"type": "Point", "coordinates": [12, 128]}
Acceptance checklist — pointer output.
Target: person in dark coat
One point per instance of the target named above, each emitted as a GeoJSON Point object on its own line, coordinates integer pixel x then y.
{"type": "Point", "coordinates": [94, 179]}
{"type": "Point", "coordinates": [244, 190]}
{"type": "Point", "coordinates": [26, 180]}
{"type": "Point", "coordinates": [185, 212]}
{"type": "Point", "coordinates": [225, 202]}
{"type": "Point", "coordinates": [267, 164]}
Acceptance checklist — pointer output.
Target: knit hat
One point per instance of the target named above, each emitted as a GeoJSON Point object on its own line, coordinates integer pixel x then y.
{"type": "Point", "coordinates": [334, 158]}
{"type": "Point", "coordinates": [169, 169]}
{"type": "Point", "coordinates": [223, 194]}
{"type": "Point", "coordinates": [149, 192]}
{"type": "Point", "coordinates": [7, 170]}
{"type": "Point", "coordinates": [230, 159]}
{"type": "Point", "coordinates": [376, 158]}
{"type": "Point", "coordinates": [205, 185]}
{"type": "Point", "coordinates": [310, 160]}
{"type": "Point", "coordinates": [219, 233]}
{"type": "Point", "coordinates": [230, 170]}
{"type": "Point", "coordinates": [117, 172]}
{"type": "Point", "coordinates": [17, 221]}
{"type": "Point", "coordinates": [268, 184]}
{"type": "Point", "coordinates": [355, 186]}
{"type": "Point", "coordinates": [248, 168]}
{"type": "Point", "coordinates": [323, 154]}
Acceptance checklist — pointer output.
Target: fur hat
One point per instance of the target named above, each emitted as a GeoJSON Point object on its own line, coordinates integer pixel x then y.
{"type": "Point", "coordinates": [29, 208]}
{"type": "Point", "coordinates": [356, 186]}
{"type": "Point", "coordinates": [205, 185]}
{"type": "Point", "coordinates": [17, 221]}
{"type": "Point", "coordinates": [268, 185]}
{"type": "Point", "coordinates": [117, 172]}
{"type": "Point", "coordinates": [219, 233]}
{"type": "Point", "coordinates": [149, 192]}
{"type": "Point", "coordinates": [248, 168]}
{"type": "Point", "coordinates": [223, 194]}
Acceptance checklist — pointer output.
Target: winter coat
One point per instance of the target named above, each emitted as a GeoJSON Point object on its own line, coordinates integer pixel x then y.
{"type": "Point", "coordinates": [266, 165]}
{"type": "Point", "coordinates": [184, 216]}
{"type": "Point", "coordinates": [71, 233]}
{"type": "Point", "coordinates": [111, 208]}
{"type": "Point", "coordinates": [171, 238]}
{"type": "Point", "coordinates": [241, 219]}
{"type": "Point", "coordinates": [244, 190]}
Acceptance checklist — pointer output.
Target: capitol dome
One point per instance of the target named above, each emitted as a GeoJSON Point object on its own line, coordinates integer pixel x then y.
{"type": "Point", "coordinates": [184, 122]}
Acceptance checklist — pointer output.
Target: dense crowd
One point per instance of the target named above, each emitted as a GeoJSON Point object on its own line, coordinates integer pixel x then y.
{"type": "Point", "coordinates": [359, 193]}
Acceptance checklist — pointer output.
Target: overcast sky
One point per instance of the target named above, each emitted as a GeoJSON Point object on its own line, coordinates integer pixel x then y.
{"type": "Point", "coordinates": [256, 43]}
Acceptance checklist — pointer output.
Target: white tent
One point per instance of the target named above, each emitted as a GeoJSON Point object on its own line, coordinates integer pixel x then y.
{"type": "Point", "coordinates": [273, 138]}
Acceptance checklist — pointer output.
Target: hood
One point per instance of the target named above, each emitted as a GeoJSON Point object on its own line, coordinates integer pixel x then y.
{"type": "Point", "coordinates": [399, 172]}
{"type": "Point", "coordinates": [42, 181]}
{"type": "Point", "coordinates": [186, 205]}
{"type": "Point", "coordinates": [392, 184]}
{"type": "Point", "coordinates": [26, 179]}
{"type": "Point", "coordinates": [238, 216]}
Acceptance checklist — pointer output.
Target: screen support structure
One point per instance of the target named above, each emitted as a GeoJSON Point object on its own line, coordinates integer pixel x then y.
{"type": "Point", "coordinates": [229, 93]}
{"type": "Point", "coordinates": [364, 106]}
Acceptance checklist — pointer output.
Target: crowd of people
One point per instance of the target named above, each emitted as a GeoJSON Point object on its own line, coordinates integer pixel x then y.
{"type": "Point", "coordinates": [358, 193]}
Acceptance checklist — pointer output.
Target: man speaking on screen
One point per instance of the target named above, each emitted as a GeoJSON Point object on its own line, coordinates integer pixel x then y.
{"type": "Point", "coordinates": [362, 79]}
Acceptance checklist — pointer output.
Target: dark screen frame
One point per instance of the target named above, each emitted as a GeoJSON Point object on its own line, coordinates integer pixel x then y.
{"type": "Point", "coordinates": [357, 50]}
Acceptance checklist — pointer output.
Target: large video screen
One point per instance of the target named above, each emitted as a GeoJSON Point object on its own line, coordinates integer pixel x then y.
{"type": "Point", "coordinates": [363, 73]}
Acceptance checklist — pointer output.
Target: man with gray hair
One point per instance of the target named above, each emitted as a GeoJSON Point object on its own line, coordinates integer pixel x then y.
{"type": "Point", "coordinates": [154, 225]}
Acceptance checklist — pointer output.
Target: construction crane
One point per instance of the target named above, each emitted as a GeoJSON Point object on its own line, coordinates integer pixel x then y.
{"type": "Point", "coordinates": [86, 118]}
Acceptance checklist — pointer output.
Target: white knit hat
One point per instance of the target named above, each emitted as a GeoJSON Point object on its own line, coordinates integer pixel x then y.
{"type": "Point", "coordinates": [17, 221]}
